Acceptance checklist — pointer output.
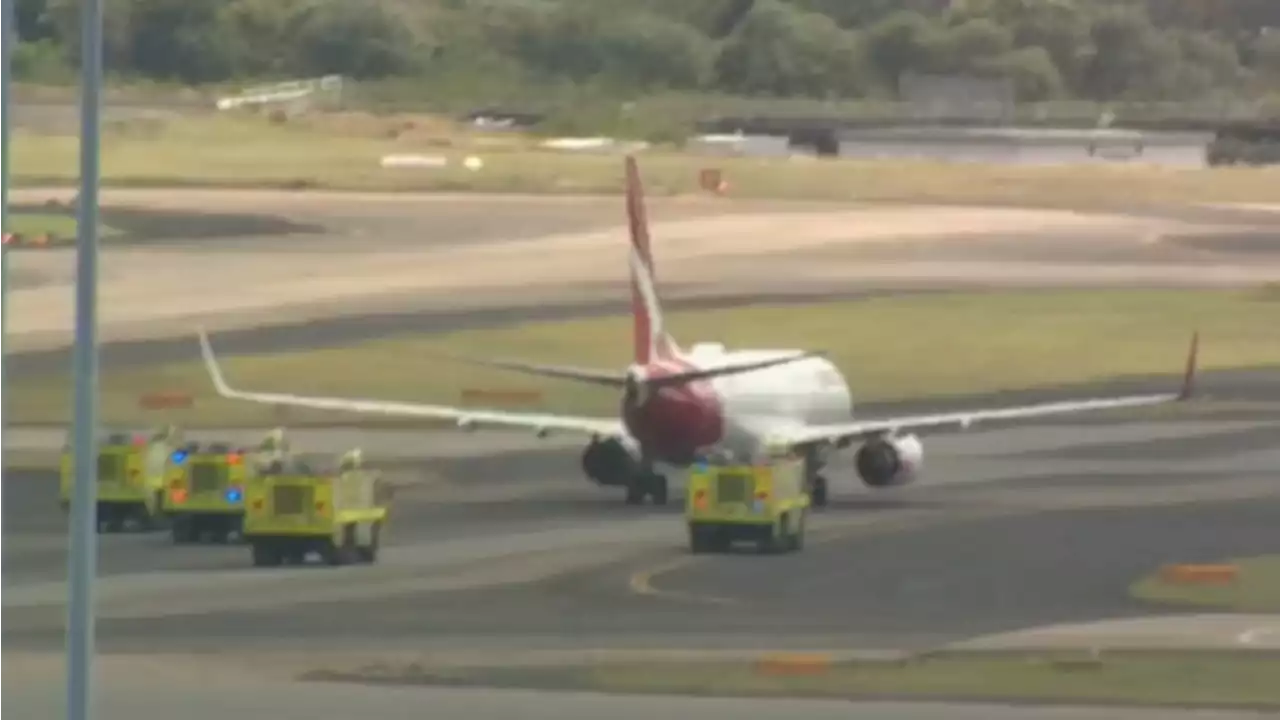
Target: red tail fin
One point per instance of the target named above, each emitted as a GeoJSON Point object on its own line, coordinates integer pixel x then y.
{"type": "Point", "coordinates": [650, 339]}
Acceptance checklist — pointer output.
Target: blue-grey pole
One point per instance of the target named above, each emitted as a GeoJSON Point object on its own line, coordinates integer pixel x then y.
{"type": "Point", "coordinates": [84, 524]}
{"type": "Point", "coordinates": [7, 37]}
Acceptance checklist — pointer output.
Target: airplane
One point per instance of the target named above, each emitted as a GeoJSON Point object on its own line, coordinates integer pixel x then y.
{"type": "Point", "coordinates": [679, 407]}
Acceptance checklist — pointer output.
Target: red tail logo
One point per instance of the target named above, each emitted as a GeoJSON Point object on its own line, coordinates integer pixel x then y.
{"type": "Point", "coordinates": [651, 341]}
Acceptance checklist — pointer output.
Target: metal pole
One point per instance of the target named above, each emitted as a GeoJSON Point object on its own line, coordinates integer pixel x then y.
{"type": "Point", "coordinates": [84, 524]}
{"type": "Point", "coordinates": [7, 37]}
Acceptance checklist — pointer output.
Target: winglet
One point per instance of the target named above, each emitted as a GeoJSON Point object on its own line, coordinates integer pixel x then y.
{"type": "Point", "coordinates": [1193, 363]}
{"type": "Point", "coordinates": [211, 364]}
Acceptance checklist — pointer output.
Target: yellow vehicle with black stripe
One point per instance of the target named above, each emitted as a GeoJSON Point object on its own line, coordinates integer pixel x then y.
{"type": "Point", "coordinates": [764, 502]}
{"type": "Point", "coordinates": [131, 472]}
{"type": "Point", "coordinates": [294, 510]}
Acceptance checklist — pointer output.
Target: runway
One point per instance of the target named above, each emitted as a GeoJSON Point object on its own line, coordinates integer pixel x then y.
{"type": "Point", "coordinates": [500, 550]}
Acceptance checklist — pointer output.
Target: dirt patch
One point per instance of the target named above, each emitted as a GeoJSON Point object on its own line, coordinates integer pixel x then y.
{"type": "Point", "coordinates": [598, 254]}
{"type": "Point", "coordinates": [265, 282]}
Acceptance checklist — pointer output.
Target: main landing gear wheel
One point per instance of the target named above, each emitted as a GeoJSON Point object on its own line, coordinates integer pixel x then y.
{"type": "Point", "coordinates": [650, 484]}
{"type": "Point", "coordinates": [818, 491]}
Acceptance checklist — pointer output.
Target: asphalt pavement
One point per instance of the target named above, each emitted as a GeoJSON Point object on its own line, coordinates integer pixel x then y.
{"type": "Point", "coordinates": [972, 549]}
{"type": "Point", "coordinates": [499, 555]}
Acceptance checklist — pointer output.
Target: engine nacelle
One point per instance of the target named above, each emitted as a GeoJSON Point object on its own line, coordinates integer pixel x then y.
{"type": "Point", "coordinates": [889, 460]}
{"type": "Point", "coordinates": [611, 461]}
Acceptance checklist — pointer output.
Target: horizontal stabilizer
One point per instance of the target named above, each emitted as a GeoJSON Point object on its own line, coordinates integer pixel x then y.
{"type": "Point", "coordinates": [738, 369]}
{"type": "Point", "coordinates": [609, 378]}
{"type": "Point", "coordinates": [614, 379]}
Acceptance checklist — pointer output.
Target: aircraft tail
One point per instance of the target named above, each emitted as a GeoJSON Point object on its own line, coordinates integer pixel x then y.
{"type": "Point", "coordinates": [650, 340]}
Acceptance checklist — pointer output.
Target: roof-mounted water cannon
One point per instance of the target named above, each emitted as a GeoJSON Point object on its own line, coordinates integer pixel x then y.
{"type": "Point", "coordinates": [351, 460]}
{"type": "Point", "coordinates": [168, 433]}
{"type": "Point", "coordinates": [274, 441]}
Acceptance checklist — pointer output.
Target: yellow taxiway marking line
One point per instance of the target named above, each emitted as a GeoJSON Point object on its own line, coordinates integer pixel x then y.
{"type": "Point", "coordinates": [641, 583]}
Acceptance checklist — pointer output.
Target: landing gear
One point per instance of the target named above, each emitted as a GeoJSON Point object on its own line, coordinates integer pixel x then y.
{"type": "Point", "coordinates": [817, 484]}
{"type": "Point", "coordinates": [649, 484]}
{"type": "Point", "coordinates": [818, 491]}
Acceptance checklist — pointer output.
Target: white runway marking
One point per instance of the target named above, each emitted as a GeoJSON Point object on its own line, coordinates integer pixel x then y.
{"type": "Point", "coordinates": [1257, 635]}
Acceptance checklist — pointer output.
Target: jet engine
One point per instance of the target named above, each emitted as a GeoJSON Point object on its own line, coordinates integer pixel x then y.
{"type": "Point", "coordinates": [611, 461]}
{"type": "Point", "coordinates": [889, 460]}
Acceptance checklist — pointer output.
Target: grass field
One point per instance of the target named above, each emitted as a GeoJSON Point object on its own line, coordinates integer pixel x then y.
{"type": "Point", "coordinates": [61, 228]}
{"type": "Point", "coordinates": [1256, 589]}
{"type": "Point", "coordinates": [1186, 679]}
{"type": "Point", "coordinates": [343, 152]}
{"type": "Point", "coordinates": [890, 348]}
{"type": "Point", "coordinates": [37, 223]}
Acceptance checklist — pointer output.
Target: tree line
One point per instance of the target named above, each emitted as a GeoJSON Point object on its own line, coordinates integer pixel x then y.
{"type": "Point", "coordinates": [1105, 50]}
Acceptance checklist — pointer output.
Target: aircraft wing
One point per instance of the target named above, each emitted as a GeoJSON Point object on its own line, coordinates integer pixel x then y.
{"type": "Point", "coordinates": [858, 428]}
{"type": "Point", "coordinates": [837, 432]}
{"type": "Point", "coordinates": [463, 416]}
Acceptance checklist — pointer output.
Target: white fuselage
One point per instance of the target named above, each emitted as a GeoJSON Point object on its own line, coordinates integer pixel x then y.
{"type": "Point", "coordinates": [806, 392]}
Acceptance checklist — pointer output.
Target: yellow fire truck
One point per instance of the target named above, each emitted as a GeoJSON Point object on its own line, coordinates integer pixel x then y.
{"type": "Point", "coordinates": [764, 502]}
{"type": "Point", "coordinates": [131, 472]}
{"type": "Point", "coordinates": [294, 509]}
{"type": "Point", "coordinates": [205, 493]}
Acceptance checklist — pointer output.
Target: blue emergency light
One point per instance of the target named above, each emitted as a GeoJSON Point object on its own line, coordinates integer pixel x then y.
{"type": "Point", "coordinates": [179, 456]}
{"type": "Point", "coordinates": [234, 495]}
